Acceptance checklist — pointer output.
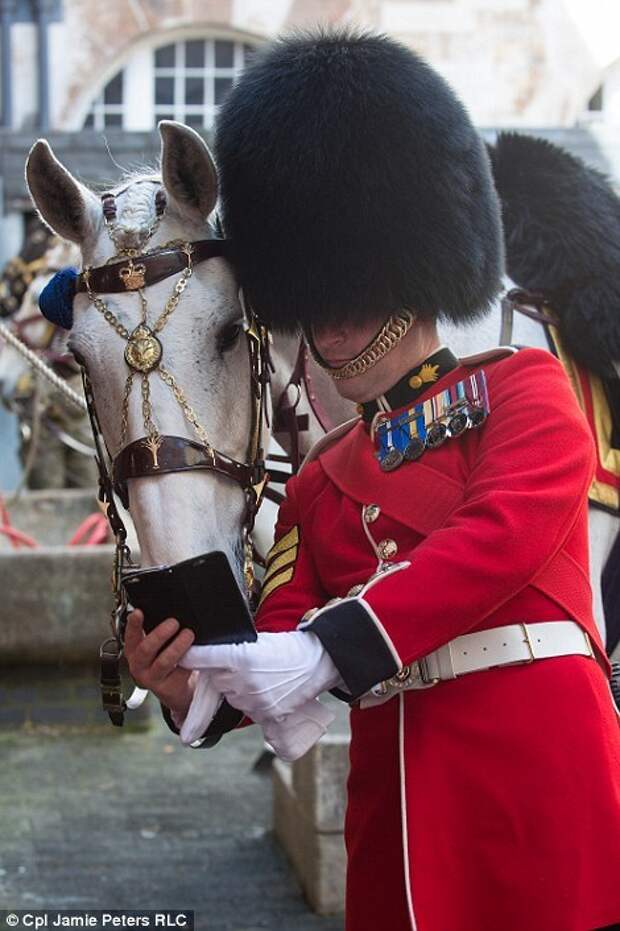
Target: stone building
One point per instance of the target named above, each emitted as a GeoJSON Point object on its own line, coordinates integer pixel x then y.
{"type": "Point", "coordinates": [97, 76]}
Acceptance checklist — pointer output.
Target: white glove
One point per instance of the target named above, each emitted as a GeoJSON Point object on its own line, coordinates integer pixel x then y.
{"type": "Point", "coordinates": [205, 704]}
{"type": "Point", "coordinates": [268, 679]}
{"type": "Point", "coordinates": [289, 739]}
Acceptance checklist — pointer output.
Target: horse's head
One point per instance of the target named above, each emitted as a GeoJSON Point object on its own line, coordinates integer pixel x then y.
{"type": "Point", "coordinates": [200, 390]}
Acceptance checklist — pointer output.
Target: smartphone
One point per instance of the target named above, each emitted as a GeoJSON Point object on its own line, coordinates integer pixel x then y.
{"type": "Point", "coordinates": [202, 593]}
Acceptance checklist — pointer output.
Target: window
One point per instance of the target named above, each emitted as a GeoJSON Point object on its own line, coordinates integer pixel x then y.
{"type": "Point", "coordinates": [107, 109]}
{"type": "Point", "coordinates": [192, 78]}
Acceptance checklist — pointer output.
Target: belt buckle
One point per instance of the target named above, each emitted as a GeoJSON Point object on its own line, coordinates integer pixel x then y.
{"type": "Point", "coordinates": [428, 680]}
{"type": "Point", "coordinates": [530, 645]}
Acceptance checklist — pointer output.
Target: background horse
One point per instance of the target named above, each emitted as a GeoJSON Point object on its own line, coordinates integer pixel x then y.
{"type": "Point", "coordinates": [55, 441]}
{"type": "Point", "coordinates": [562, 235]}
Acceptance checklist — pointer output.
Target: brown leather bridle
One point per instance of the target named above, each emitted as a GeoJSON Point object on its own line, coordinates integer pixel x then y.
{"type": "Point", "coordinates": [174, 453]}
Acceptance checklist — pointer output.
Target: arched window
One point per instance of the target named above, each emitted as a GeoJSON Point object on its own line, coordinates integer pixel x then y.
{"type": "Point", "coordinates": [192, 78]}
{"type": "Point", "coordinates": [186, 80]}
{"type": "Point", "coordinates": [107, 110]}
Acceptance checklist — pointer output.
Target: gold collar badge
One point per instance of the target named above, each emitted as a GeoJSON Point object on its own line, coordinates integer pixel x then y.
{"type": "Point", "coordinates": [427, 375]}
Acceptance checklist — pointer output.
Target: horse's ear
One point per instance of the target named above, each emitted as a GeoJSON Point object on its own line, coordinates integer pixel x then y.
{"type": "Point", "coordinates": [188, 170]}
{"type": "Point", "coordinates": [68, 208]}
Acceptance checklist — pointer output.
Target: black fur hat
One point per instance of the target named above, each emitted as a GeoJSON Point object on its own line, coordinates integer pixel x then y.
{"type": "Point", "coordinates": [353, 184]}
{"type": "Point", "coordinates": [562, 229]}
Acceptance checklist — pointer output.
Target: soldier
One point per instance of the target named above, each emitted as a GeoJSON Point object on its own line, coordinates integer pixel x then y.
{"type": "Point", "coordinates": [430, 562]}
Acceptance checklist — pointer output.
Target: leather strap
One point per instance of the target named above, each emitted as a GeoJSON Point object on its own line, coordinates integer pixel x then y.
{"type": "Point", "coordinates": [155, 266]}
{"type": "Point", "coordinates": [509, 645]}
{"type": "Point", "coordinates": [175, 454]}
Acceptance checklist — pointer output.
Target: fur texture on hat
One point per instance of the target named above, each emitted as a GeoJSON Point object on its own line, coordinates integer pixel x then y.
{"type": "Point", "coordinates": [353, 184]}
{"type": "Point", "coordinates": [562, 230]}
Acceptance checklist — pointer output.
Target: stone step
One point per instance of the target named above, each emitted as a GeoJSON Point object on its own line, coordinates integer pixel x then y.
{"type": "Point", "coordinates": [309, 803]}
{"type": "Point", "coordinates": [55, 603]}
{"type": "Point", "coordinates": [318, 858]}
{"type": "Point", "coordinates": [50, 517]}
{"type": "Point", "coordinates": [62, 696]}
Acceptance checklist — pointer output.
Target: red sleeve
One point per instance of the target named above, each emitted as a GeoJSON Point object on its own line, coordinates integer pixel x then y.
{"type": "Point", "coordinates": [534, 466]}
{"type": "Point", "coordinates": [291, 584]}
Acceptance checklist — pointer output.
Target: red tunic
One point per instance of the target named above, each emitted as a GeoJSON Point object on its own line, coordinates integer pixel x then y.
{"type": "Point", "coordinates": [490, 802]}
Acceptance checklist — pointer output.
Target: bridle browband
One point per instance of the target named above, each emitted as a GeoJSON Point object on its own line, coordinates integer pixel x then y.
{"type": "Point", "coordinates": [152, 267]}
{"type": "Point", "coordinates": [159, 454]}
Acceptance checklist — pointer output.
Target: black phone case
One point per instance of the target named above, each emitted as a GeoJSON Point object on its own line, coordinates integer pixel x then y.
{"type": "Point", "coordinates": [201, 593]}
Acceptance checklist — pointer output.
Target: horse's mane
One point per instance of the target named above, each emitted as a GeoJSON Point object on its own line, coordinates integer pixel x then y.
{"type": "Point", "coordinates": [562, 234]}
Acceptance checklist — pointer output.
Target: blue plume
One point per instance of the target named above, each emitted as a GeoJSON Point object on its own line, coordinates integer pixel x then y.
{"type": "Point", "coordinates": [56, 298]}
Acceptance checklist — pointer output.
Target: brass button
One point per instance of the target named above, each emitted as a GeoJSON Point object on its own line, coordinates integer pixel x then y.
{"type": "Point", "coordinates": [371, 512]}
{"type": "Point", "coordinates": [387, 549]}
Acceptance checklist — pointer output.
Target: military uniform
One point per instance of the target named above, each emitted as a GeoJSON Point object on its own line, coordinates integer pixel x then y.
{"type": "Point", "coordinates": [357, 192]}
{"type": "Point", "coordinates": [491, 801]}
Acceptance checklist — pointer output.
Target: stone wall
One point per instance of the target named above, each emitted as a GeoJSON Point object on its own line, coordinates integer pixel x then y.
{"type": "Point", "coordinates": [507, 58]}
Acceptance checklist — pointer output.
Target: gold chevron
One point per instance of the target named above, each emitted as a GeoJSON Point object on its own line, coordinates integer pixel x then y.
{"type": "Point", "coordinates": [289, 539]}
{"type": "Point", "coordinates": [288, 556]}
{"type": "Point", "coordinates": [275, 582]}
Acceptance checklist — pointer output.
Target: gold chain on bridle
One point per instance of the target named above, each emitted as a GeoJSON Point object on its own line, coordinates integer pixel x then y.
{"type": "Point", "coordinates": [143, 354]}
{"type": "Point", "coordinates": [144, 351]}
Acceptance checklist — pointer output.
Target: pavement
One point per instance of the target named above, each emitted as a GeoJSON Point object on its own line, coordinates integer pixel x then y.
{"type": "Point", "coordinates": [112, 819]}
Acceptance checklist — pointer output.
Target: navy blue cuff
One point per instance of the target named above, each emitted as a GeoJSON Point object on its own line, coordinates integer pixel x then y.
{"type": "Point", "coordinates": [360, 650]}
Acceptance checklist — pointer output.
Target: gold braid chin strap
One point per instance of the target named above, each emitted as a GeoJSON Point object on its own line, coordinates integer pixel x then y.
{"type": "Point", "coordinates": [390, 334]}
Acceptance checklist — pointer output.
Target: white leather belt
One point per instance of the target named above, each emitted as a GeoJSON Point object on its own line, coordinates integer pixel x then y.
{"type": "Point", "coordinates": [514, 644]}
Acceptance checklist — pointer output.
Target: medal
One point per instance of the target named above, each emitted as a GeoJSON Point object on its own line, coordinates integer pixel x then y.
{"type": "Point", "coordinates": [445, 415]}
{"type": "Point", "coordinates": [392, 459]}
{"type": "Point", "coordinates": [414, 449]}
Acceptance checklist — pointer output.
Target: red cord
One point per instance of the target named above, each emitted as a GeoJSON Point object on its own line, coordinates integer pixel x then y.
{"type": "Point", "coordinates": [91, 532]}
{"type": "Point", "coordinates": [16, 537]}
{"type": "Point", "coordinates": [96, 526]}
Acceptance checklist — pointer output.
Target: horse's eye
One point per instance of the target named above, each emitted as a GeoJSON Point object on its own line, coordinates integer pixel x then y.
{"type": "Point", "coordinates": [79, 358]}
{"type": "Point", "coordinates": [229, 336]}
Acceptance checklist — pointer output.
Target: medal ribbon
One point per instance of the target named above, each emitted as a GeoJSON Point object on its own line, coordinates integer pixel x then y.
{"type": "Point", "coordinates": [447, 414]}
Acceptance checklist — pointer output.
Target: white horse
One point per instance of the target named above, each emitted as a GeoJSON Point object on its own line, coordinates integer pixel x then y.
{"type": "Point", "coordinates": [181, 515]}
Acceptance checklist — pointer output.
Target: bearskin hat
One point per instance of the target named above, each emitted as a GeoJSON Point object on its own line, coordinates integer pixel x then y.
{"type": "Point", "coordinates": [353, 184]}
{"type": "Point", "coordinates": [562, 231]}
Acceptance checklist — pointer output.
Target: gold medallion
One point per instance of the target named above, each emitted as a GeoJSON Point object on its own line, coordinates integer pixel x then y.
{"type": "Point", "coordinates": [143, 351]}
{"type": "Point", "coordinates": [132, 276]}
